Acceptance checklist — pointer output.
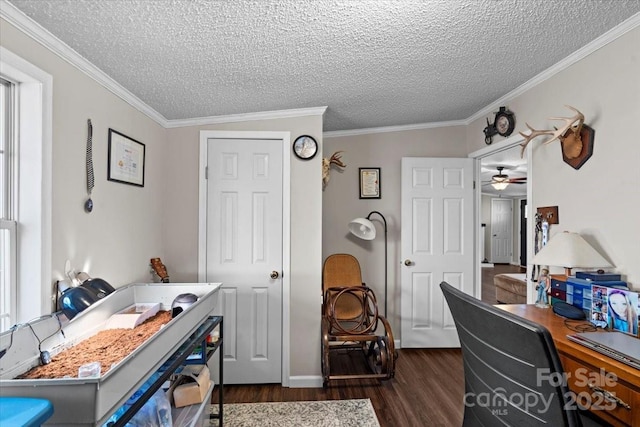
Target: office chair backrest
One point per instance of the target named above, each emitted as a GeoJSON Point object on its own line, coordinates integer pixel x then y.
{"type": "Point", "coordinates": [513, 375]}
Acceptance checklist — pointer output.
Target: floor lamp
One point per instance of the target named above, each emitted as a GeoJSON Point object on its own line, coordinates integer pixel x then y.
{"type": "Point", "coordinates": [364, 229]}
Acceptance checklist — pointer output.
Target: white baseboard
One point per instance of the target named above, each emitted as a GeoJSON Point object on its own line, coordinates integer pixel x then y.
{"type": "Point", "coordinates": [487, 264]}
{"type": "Point", "coordinates": [305, 381]}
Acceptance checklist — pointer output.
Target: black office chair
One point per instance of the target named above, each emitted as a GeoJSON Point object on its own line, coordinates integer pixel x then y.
{"type": "Point", "coordinates": [513, 375]}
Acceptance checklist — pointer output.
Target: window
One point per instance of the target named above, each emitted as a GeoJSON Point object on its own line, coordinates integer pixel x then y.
{"type": "Point", "coordinates": [25, 181]}
{"type": "Point", "coordinates": [8, 240]}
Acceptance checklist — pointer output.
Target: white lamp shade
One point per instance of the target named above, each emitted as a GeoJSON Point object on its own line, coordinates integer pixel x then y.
{"type": "Point", "coordinates": [362, 228]}
{"type": "Point", "coordinates": [569, 250]}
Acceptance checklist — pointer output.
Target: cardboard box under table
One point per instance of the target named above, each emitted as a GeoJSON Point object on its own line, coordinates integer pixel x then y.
{"type": "Point", "coordinates": [91, 401]}
{"type": "Point", "coordinates": [190, 386]}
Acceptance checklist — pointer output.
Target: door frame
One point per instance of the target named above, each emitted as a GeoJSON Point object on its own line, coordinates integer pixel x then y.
{"type": "Point", "coordinates": [478, 155]}
{"type": "Point", "coordinates": [285, 138]}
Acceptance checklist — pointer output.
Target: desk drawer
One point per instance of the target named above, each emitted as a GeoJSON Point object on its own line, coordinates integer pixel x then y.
{"type": "Point", "coordinates": [558, 284]}
{"type": "Point", "coordinates": [559, 294]}
{"type": "Point", "coordinates": [587, 383]}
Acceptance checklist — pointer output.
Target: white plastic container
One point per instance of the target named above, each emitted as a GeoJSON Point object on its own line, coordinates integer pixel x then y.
{"type": "Point", "coordinates": [91, 401]}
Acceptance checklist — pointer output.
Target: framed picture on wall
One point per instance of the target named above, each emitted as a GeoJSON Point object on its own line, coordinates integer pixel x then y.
{"type": "Point", "coordinates": [126, 159]}
{"type": "Point", "coordinates": [369, 183]}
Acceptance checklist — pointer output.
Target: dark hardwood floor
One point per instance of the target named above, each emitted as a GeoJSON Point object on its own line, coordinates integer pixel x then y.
{"type": "Point", "coordinates": [488, 288]}
{"type": "Point", "coordinates": [427, 390]}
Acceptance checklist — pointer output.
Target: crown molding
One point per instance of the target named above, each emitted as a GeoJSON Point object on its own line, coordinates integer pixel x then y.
{"type": "Point", "coordinates": [383, 129]}
{"type": "Point", "coordinates": [244, 117]}
{"type": "Point", "coordinates": [603, 40]}
{"type": "Point", "coordinates": [34, 30]}
{"type": "Point", "coordinates": [576, 56]}
{"type": "Point", "coordinates": [21, 21]}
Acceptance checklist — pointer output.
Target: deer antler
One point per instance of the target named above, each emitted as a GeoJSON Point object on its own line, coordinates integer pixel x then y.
{"type": "Point", "coordinates": [557, 134]}
{"type": "Point", "coordinates": [335, 159]}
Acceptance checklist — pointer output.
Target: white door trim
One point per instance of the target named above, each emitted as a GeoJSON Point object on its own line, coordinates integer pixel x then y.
{"type": "Point", "coordinates": [505, 144]}
{"type": "Point", "coordinates": [285, 137]}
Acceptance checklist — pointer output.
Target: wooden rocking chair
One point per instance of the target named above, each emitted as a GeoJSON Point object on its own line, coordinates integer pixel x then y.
{"type": "Point", "coordinates": [350, 319]}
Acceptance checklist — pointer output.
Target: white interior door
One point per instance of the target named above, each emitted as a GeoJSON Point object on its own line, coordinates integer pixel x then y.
{"type": "Point", "coordinates": [244, 251]}
{"type": "Point", "coordinates": [501, 230]}
{"type": "Point", "coordinates": [437, 245]}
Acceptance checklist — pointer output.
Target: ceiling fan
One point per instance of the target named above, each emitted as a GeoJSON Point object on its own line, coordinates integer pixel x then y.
{"type": "Point", "coordinates": [502, 181]}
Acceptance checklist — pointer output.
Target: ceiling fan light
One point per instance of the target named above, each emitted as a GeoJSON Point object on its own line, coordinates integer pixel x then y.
{"type": "Point", "coordinates": [500, 185]}
{"type": "Point", "coordinates": [500, 181]}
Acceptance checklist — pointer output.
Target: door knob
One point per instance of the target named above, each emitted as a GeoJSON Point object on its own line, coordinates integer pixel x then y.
{"type": "Point", "coordinates": [408, 262]}
{"type": "Point", "coordinates": [274, 275]}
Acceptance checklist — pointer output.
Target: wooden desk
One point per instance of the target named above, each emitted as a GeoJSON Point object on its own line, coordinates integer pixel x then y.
{"type": "Point", "coordinates": [587, 369]}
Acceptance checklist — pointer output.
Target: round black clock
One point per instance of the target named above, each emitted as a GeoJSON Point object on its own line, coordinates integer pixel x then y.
{"type": "Point", "coordinates": [504, 122]}
{"type": "Point", "coordinates": [305, 147]}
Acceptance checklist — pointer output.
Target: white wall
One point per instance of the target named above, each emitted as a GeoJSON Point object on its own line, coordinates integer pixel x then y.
{"type": "Point", "coordinates": [341, 202]}
{"type": "Point", "coordinates": [123, 232]}
{"type": "Point", "coordinates": [600, 200]}
{"type": "Point", "coordinates": [130, 225]}
{"type": "Point", "coordinates": [126, 228]}
{"type": "Point", "coordinates": [180, 219]}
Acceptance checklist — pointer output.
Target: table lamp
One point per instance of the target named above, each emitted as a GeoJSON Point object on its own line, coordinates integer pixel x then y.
{"type": "Point", "coordinates": [569, 250]}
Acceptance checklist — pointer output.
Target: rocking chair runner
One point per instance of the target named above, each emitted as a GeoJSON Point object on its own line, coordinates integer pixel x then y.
{"type": "Point", "coordinates": [350, 319]}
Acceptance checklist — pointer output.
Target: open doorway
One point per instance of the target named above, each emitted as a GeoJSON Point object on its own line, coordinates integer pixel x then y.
{"type": "Point", "coordinates": [503, 174]}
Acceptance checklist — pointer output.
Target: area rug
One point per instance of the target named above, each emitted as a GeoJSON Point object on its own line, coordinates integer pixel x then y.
{"type": "Point", "coordinates": [323, 413]}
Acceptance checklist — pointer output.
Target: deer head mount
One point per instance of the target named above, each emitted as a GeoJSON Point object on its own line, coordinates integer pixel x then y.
{"type": "Point", "coordinates": [335, 159]}
{"type": "Point", "coordinates": [575, 137]}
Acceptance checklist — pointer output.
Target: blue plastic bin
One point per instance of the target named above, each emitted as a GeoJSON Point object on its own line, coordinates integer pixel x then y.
{"type": "Point", "coordinates": [24, 411]}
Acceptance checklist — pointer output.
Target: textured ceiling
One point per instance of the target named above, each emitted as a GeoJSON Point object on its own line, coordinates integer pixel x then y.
{"type": "Point", "coordinates": [373, 63]}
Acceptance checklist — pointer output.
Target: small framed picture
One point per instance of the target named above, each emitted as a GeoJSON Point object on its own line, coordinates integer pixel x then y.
{"type": "Point", "coordinates": [370, 183]}
{"type": "Point", "coordinates": [126, 159]}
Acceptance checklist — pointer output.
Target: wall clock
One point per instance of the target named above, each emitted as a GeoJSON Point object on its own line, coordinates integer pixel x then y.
{"type": "Point", "coordinates": [305, 147]}
{"type": "Point", "coordinates": [503, 124]}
